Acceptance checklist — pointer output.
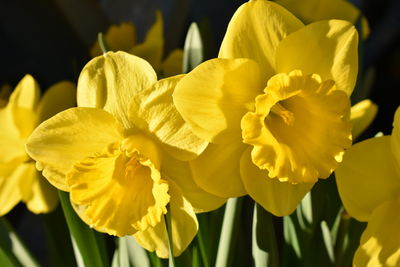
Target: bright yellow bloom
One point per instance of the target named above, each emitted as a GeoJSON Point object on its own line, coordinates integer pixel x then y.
{"type": "Point", "coordinates": [368, 180]}
{"type": "Point", "coordinates": [122, 37]}
{"type": "Point", "coordinates": [118, 154]}
{"type": "Point", "coordinates": [274, 105]}
{"type": "Point", "coordinates": [362, 115]}
{"type": "Point", "coordinates": [19, 180]}
{"type": "Point", "coordinates": [314, 10]}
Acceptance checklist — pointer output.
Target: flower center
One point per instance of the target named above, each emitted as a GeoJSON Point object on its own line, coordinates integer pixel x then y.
{"type": "Point", "coordinates": [286, 115]}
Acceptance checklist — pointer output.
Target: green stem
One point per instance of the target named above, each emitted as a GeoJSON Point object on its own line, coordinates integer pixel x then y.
{"type": "Point", "coordinates": [171, 260]}
{"type": "Point", "coordinates": [103, 43]}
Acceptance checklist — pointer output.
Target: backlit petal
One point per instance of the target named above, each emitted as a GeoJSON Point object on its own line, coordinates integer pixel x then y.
{"type": "Point", "coordinates": [328, 48]}
{"type": "Point", "coordinates": [58, 97]}
{"type": "Point", "coordinates": [279, 198]}
{"type": "Point", "coordinates": [214, 96]}
{"type": "Point", "coordinates": [379, 245]}
{"type": "Point", "coordinates": [109, 82]}
{"type": "Point", "coordinates": [68, 137]}
{"type": "Point", "coordinates": [255, 31]}
{"type": "Point", "coordinates": [121, 193]}
{"type": "Point", "coordinates": [395, 139]}
{"type": "Point", "coordinates": [184, 227]}
{"type": "Point", "coordinates": [180, 173]}
{"type": "Point", "coordinates": [367, 177]}
{"type": "Point", "coordinates": [362, 115]}
{"type": "Point", "coordinates": [217, 170]}
{"type": "Point", "coordinates": [154, 112]}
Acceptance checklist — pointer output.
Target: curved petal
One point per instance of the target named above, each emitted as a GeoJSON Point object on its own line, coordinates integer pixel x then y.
{"type": "Point", "coordinates": [58, 97]}
{"type": "Point", "coordinates": [110, 81]}
{"type": "Point", "coordinates": [395, 138]}
{"type": "Point", "coordinates": [217, 170]}
{"type": "Point", "coordinates": [184, 227]}
{"type": "Point", "coordinates": [214, 96]}
{"type": "Point", "coordinates": [152, 48]}
{"type": "Point", "coordinates": [37, 193]}
{"type": "Point", "coordinates": [279, 198]}
{"type": "Point", "coordinates": [367, 177]}
{"type": "Point", "coordinates": [172, 65]}
{"type": "Point", "coordinates": [120, 194]}
{"type": "Point", "coordinates": [180, 173]}
{"type": "Point", "coordinates": [68, 137]}
{"type": "Point", "coordinates": [328, 48]}
{"type": "Point", "coordinates": [255, 31]}
{"type": "Point", "coordinates": [11, 176]}
{"type": "Point", "coordinates": [154, 111]}
{"type": "Point", "coordinates": [379, 245]}
{"type": "Point", "coordinates": [362, 115]}
{"type": "Point", "coordinates": [120, 37]}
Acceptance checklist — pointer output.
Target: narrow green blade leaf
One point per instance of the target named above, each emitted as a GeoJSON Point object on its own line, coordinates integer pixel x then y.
{"type": "Point", "coordinates": [89, 243]}
{"type": "Point", "coordinates": [13, 252]}
{"type": "Point", "coordinates": [171, 260]}
{"type": "Point", "coordinates": [290, 235]}
{"type": "Point", "coordinates": [326, 235]}
{"type": "Point", "coordinates": [103, 43]}
{"type": "Point", "coordinates": [264, 247]}
{"type": "Point", "coordinates": [232, 211]}
{"type": "Point", "coordinates": [193, 49]}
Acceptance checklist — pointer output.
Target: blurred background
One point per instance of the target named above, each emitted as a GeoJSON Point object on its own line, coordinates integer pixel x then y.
{"type": "Point", "coordinates": [51, 40]}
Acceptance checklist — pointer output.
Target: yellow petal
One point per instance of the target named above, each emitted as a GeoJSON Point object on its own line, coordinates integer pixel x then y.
{"type": "Point", "coordinates": [362, 115]}
{"type": "Point", "coordinates": [300, 128]}
{"type": "Point", "coordinates": [367, 177]}
{"type": "Point", "coordinates": [184, 227]}
{"type": "Point", "coordinates": [180, 173]}
{"type": "Point", "coordinates": [58, 97]}
{"type": "Point", "coordinates": [255, 31]}
{"type": "Point", "coordinates": [110, 81]}
{"type": "Point", "coordinates": [217, 170]}
{"type": "Point", "coordinates": [122, 191]}
{"type": "Point", "coordinates": [379, 245]}
{"type": "Point", "coordinates": [314, 10]}
{"type": "Point", "coordinates": [172, 65]}
{"type": "Point", "coordinates": [214, 96]}
{"type": "Point", "coordinates": [155, 113]}
{"type": "Point", "coordinates": [70, 136]}
{"type": "Point", "coordinates": [328, 48]}
{"type": "Point", "coordinates": [11, 176]}
{"type": "Point", "coordinates": [395, 138]}
{"type": "Point", "coordinates": [120, 37]}
{"type": "Point", "coordinates": [153, 46]}
{"type": "Point", "coordinates": [37, 193]}
{"type": "Point", "coordinates": [279, 198]}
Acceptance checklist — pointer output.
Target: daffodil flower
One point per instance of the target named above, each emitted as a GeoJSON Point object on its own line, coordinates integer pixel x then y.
{"type": "Point", "coordinates": [368, 180]}
{"type": "Point", "coordinates": [121, 154]}
{"type": "Point", "coordinates": [274, 105]}
{"type": "Point", "coordinates": [122, 37]}
{"type": "Point", "coordinates": [314, 10]}
{"type": "Point", "coordinates": [19, 180]}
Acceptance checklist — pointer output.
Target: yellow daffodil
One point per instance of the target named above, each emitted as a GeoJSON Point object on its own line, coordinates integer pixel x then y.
{"type": "Point", "coordinates": [314, 10]}
{"type": "Point", "coordinates": [122, 37]}
{"type": "Point", "coordinates": [362, 115]}
{"type": "Point", "coordinates": [368, 180]}
{"type": "Point", "coordinates": [19, 180]}
{"type": "Point", "coordinates": [274, 105]}
{"type": "Point", "coordinates": [119, 154]}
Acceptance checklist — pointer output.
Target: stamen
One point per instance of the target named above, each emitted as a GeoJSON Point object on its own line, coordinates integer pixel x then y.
{"type": "Point", "coordinates": [132, 166]}
{"type": "Point", "coordinates": [286, 115]}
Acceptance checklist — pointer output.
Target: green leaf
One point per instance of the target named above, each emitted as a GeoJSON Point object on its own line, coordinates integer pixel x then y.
{"type": "Point", "coordinates": [290, 235]}
{"type": "Point", "coordinates": [326, 235]}
{"type": "Point", "coordinates": [129, 253]}
{"type": "Point", "coordinates": [89, 245]}
{"type": "Point", "coordinates": [228, 232]}
{"type": "Point", "coordinates": [13, 251]}
{"type": "Point", "coordinates": [171, 259]}
{"type": "Point", "coordinates": [103, 43]}
{"type": "Point", "coordinates": [193, 49]}
{"type": "Point", "coordinates": [264, 247]}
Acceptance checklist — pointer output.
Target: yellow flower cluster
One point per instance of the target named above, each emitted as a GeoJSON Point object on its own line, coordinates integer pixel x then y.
{"type": "Point", "coordinates": [267, 118]}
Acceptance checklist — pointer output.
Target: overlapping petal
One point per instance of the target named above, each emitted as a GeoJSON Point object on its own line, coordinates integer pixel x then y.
{"type": "Point", "coordinates": [217, 169]}
{"type": "Point", "coordinates": [183, 223]}
{"type": "Point", "coordinates": [367, 177]}
{"type": "Point", "coordinates": [255, 31]}
{"type": "Point", "coordinates": [110, 81]}
{"type": "Point", "coordinates": [68, 137]}
{"type": "Point", "coordinates": [279, 198]}
{"type": "Point", "coordinates": [154, 112]}
{"type": "Point", "coordinates": [214, 96]}
{"type": "Point", "coordinates": [362, 114]}
{"type": "Point", "coordinates": [395, 138]}
{"type": "Point", "coordinates": [379, 245]}
{"type": "Point", "coordinates": [327, 48]}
